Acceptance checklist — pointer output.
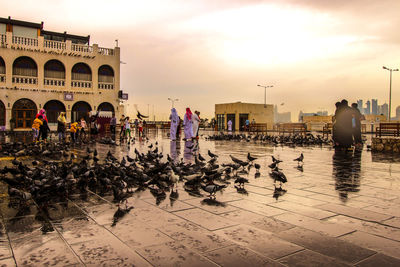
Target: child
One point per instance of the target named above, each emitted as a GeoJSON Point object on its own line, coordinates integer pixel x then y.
{"type": "Point", "coordinates": [73, 129]}
{"type": "Point", "coordinates": [36, 126]}
{"type": "Point", "coordinates": [140, 128]}
{"type": "Point", "coordinates": [83, 127]}
{"type": "Point", "coordinates": [127, 128]}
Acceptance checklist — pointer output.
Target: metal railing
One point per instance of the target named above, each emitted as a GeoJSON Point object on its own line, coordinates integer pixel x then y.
{"type": "Point", "coordinates": [3, 40]}
{"type": "Point", "coordinates": [106, 51]}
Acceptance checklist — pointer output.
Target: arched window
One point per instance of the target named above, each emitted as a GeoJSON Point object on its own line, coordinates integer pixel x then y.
{"type": "Point", "coordinates": [2, 114]}
{"type": "Point", "coordinates": [54, 69]}
{"type": "Point", "coordinates": [106, 74]}
{"type": "Point", "coordinates": [81, 72]}
{"type": "Point", "coordinates": [105, 106]}
{"type": "Point", "coordinates": [2, 66]}
{"type": "Point", "coordinates": [25, 66]}
{"type": "Point", "coordinates": [24, 112]}
{"type": "Point", "coordinates": [53, 109]}
{"type": "Point", "coordinates": [80, 109]}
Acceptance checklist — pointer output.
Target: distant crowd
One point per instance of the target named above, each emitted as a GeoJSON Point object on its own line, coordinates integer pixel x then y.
{"type": "Point", "coordinates": [347, 125]}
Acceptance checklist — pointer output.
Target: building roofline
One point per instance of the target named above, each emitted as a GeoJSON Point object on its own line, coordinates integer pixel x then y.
{"type": "Point", "coordinates": [67, 35]}
{"type": "Point", "coordinates": [239, 102]}
{"type": "Point", "coordinates": [21, 23]}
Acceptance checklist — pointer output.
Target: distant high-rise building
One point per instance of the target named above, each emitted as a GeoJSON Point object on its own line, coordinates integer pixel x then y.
{"type": "Point", "coordinates": [360, 105]}
{"type": "Point", "coordinates": [398, 113]}
{"type": "Point", "coordinates": [385, 110]}
{"type": "Point", "coordinates": [375, 106]}
{"type": "Point", "coordinates": [368, 108]}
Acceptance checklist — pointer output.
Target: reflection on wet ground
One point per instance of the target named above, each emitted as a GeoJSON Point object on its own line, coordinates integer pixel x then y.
{"type": "Point", "coordinates": [339, 209]}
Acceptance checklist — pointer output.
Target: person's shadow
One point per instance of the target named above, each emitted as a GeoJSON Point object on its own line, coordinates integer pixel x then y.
{"type": "Point", "coordinates": [346, 171]}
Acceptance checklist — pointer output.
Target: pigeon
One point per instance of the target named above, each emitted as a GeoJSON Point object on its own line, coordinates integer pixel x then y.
{"type": "Point", "coordinates": [299, 159]}
{"type": "Point", "coordinates": [212, 155]}
{"type": "Point", "coordinates": [277, 161]}
{"type": "Point", "coordinates": [212, 189]}
{"type": "Point", "coordinates": [257, 166]}
{"type": "Point", "coordinates": [241, 181]}
{"type": "Point", "coordinates": [250, 158]}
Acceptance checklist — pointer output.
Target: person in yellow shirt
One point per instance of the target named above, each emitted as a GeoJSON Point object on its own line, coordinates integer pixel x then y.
{"type": "Point", "coordinates": [36, 126]}
{"type": "Point", "coordinates": [73, 129]}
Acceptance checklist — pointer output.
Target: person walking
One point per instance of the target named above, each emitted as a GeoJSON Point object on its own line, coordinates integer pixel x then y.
{"type": "Point", "coordinates": [174, 124]}
{"type": "Point", "coordinates": [188, 125]}
{"type": "Point", "coordinates": [61, 122]}
{"type": "Point", "coordinates": [83, 128]}
{"type": "Point", "coordinates": [37, 122]}
{"type": "Point", "coordinates": [196, 123]}
{"type": "Point", "coordinates": [122, 124]}
{"type": "Point", "coordinates": [127, 128]}
{"type": "Point", "coordinates": [72, 130]}
{"type": "Point", "coordinates": [344, 125]}
{"type": "Point", "coordinates": [229, 126]}
{"type": "Point", "coordinates": [44, 129]}
{"type": "Point", "coordinates": [247, 126]}
{"type": "Point", "coordinates": [42, 113]}
{"type": "Point", "coordinates": [113, 124]}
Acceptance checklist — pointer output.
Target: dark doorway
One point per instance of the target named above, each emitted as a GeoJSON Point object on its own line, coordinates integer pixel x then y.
{"type": "Point", "coordinates": [53, 109]}
{"type": "Point", "coordinates": [80, 110]}
{"type": "Point", "coordinates": [2, 114]}
{"type": "Point", "coordinates": [242, 121]}
{"type": "Point", "coordinates": [232, 118]}
{"type": "Point", "coordinates": [24, 112]}
{"type": "Point", "coordinates": [105, 106]}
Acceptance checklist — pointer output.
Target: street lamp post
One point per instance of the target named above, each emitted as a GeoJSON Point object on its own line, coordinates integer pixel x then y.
{"type": "Point", "coordinates": [173, 100]}
{"type": "Point", "coordinates": [265, 92]}
{"type": "Point", "coordinates": [390, 89]}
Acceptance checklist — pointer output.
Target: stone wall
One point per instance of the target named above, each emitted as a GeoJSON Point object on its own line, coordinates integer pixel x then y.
{"type": "Point", "coordinates": [386, 144]}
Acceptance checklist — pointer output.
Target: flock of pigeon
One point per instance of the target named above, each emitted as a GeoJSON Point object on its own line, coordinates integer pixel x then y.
{"type": "Point", "coordinates": [289, 140]}
{"type": "Point", "coordinates": [57, 173]}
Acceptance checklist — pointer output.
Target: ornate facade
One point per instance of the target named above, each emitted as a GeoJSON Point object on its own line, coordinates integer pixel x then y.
{"type": "Point", "coordinates": [59, 72]}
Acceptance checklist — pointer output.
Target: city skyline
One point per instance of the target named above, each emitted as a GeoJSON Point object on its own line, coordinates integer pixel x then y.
{"type": "Point", "coordinates": [314, 53]}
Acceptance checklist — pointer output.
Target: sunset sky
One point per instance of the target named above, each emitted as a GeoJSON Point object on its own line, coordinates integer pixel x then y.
{"type": "Point", "coordinates": [314, 52]}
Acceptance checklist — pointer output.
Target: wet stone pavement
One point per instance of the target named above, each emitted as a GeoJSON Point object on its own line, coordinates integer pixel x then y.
{"type": "Point", "coordinates": [341, 210]}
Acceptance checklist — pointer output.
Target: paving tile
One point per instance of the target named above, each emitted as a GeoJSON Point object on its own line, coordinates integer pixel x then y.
{"type": "Point", "coordinates": [107, 252]}
{"type": "Point", "coordinates": [379, 260]}
{"type": "Point", "coordinates": [302, 200]}
{"type": "Point", "coordinates": [173, 254]}
{"type": "Point", "coordinates": [369, 227]}
{"type": "Point", "coordinates": [9, 262]}
{"type": "Point", "coordinates": [329, 246]}
{"type": "Point", "coordinates": [5, 250]}
{"type": "Point", "coordinates": [373, 242]}
{"type": "Point", "coordinates": [391, 209]}
{"type": "Point", "coordinates": [211, 205]}
{"type": "Point", "coordinates": [258, 221]}
{"type": "Point", "coordinates": [239, 256]}
{"type": "Point", "coordinates": [263, 199]}
{"type": "Point", "coordinates": [353, 212]}
{"type": "Point", "coordinates": [312, 224]}
{"type": "Point", "coordinates": [102, 214]}
{"type": "Point", "coordinates": [137, 234]}
{"type": "Point", "coordinates": [257, 207]}
{"type": "Point", "coordinates": [259, 190]}
{"type": "Point", "coordinates": [194, 236]}
{"type": "Point", "coordinates": [42, 249]}
{"type": "Point", "coordinates": [303, 210]}
{"type": "Point", "coordinates": [260, 241]}
{"type": "Point", "coordinates": [174, 205]}
{"type": "Point", "coordinates": [204, 218]}
{"type": "Point", "coordinates": [353, 202]}
{"type": "Point", "coordinates": [308, 258]}
{"type": "Point", "coordinates": [394, 222]}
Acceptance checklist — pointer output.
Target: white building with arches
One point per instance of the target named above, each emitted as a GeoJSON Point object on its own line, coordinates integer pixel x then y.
{"type": "Point", "coordinates": [59, 72]}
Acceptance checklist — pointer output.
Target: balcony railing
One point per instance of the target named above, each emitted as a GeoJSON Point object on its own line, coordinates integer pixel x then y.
{"type": "Point", "coordinates": [24, 41]}
{"type": "Point", "coordinates": [56, 45]}
{"type": "Point", "coordinates": [82, 48]}
{"type": "Point", "coordinates": [2, 78]}
{"type": "Point", "coordinates": [54, 82]}
{"type": "Point", "coordinates": [24, 79]}
{"type": "Point", "coordinates": [3, 40]}
{"type": "Point", "coordinates": [106, 85]}
{"type": "Point", "coordinates": [106, 51]}
{"type": "Point", "coordinates": [81, 84]}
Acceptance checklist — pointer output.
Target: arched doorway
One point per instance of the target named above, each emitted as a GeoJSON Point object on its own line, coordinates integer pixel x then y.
{"type": "Point", "coordinates": [2, 114]}
{"type": "Point", "coordinates": [80, 109]}
{"type": "Point", "coordinates": [105, 106]}
{"type": "Point", "coordinates": [24, 111]}
{"type": "Point", "coordinates": [53, 109]}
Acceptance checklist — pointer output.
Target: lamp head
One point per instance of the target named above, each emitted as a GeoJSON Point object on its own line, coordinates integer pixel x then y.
{"type": "Point", "coordinates": [258, 85]}
{"type": "Point", "coordinates": [396, 70]}
{"type": "Point", "coordinates": [383, 67]}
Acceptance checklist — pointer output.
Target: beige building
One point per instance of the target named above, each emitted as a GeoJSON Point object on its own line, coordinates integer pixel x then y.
{"type": "Point", "coordinates": [55, 71]}
{"type": "Point", "coordinates": [239, 112]}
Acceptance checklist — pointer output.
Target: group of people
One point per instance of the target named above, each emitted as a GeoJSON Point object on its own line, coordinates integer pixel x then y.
{"type": "Point", "coordinates": [126, 127]}
{"type": "Point", "coordinates": [40, 126]}
{"type": "Point", "coordinates": [191, 122]}
{"type": "Point", "coordinates": [347, 125]}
